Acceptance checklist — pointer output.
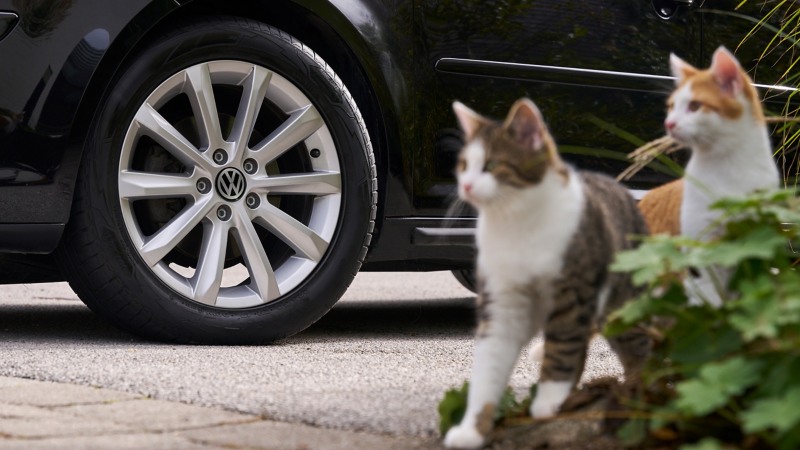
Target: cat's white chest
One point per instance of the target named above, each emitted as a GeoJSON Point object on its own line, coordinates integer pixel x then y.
{"type": "Point", "coordinates": [519, 244]}
{"type": "Point", "coordinates": [725, 173]}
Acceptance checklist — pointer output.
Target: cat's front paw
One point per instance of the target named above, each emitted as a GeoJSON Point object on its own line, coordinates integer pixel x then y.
{"type": "Point", "coordinates": [464, 437]}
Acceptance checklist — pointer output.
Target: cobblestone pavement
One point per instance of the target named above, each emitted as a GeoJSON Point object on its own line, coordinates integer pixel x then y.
{"type": "Point", "coordinates": [45, 415]}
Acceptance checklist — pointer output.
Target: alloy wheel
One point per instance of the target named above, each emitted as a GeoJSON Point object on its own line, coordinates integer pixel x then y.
{"type": "Point", "coordinates": [230, 183]}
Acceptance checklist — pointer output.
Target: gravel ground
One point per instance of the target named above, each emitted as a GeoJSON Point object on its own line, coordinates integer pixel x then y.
{"type": "Point", "coordinates": [379, 361]}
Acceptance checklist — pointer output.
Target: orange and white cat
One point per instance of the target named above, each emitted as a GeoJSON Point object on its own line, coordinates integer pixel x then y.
{"type": "Point", "coordinates": [717, 113]}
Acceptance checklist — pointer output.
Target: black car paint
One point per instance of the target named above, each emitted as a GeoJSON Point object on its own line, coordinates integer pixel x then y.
{"type": "Point", "coordinates": [405, 61]}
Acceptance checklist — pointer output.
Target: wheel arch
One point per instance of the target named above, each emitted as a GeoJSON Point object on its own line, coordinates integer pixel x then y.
{"type": "Point", "coordinates": [324, 36]}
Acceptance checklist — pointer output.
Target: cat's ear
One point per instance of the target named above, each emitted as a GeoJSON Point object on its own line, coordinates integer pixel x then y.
{"type": "Point", "coordinates": [468, 119]}
{"type": "Point", "coordinates": [680, 68]}
{"type": "Point", "coordinates": [525, 123]}
{"type": "Point", "coordinates": [726, 71]}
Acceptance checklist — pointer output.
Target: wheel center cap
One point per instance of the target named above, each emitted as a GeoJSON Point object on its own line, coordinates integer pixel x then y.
{"type": "Point", "coordinates": [231, 184]}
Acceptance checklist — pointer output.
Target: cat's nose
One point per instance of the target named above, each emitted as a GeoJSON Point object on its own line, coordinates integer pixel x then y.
{"type": "Point", "coordinates": [467, 188]}
{"type": "Point", "coordinates": [669, 124]}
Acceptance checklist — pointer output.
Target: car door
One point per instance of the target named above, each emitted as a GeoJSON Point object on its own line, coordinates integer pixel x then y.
{"type": "Point", "coordinates": [598, 70]}
{"type": "Point", "coordinates": [739, 27]}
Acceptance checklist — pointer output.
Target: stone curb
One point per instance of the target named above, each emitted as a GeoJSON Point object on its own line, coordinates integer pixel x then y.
{"type": "Point", "coordinates": [45, 415]}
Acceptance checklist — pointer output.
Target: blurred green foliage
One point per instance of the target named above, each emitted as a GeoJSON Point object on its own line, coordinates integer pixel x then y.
{"type": "Point", "coordinates": [731, 374]}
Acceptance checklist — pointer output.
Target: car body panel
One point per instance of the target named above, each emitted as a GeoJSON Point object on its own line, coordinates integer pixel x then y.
{"type": "Point", "coordinates": [61, 46]}
{"type": "Point", "coordinates": [379, 33]}
{"type": "Point", "coordinates": [598, 71]}
{"type": "Point", "coordinates": [586, 64]}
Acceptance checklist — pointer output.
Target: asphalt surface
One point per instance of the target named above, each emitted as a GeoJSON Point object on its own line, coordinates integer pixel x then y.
{"type": "Point", "coordinates": [379, 362]}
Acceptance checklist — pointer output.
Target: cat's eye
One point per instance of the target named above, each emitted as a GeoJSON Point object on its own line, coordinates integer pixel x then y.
{"type": "Point", "coordinates": [462, 165]}
{"type": "Point", "coordinates": [490, 166]}
{"type": "Point", "coordinates": [694, 105]}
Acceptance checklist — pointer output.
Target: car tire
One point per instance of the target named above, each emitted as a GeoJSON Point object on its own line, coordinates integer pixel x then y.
{"type": "Point", "coordinates": [103, 252]}
{"type": "Point", "coordinates": [467, 278]}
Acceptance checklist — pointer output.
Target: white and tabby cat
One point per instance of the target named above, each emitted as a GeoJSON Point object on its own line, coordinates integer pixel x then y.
{"type": "Point", "coordinates": [545, 237]}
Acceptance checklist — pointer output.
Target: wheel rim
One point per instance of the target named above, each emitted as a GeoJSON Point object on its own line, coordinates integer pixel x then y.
{"type": "Point", "coordinates": [239, 208]}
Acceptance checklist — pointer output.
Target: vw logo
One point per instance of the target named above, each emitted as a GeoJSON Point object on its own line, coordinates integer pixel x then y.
{"type": "Point", "coordinates": [231, 184]}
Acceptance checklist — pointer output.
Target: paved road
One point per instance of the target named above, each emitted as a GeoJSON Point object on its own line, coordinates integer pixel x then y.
{"type": "Point", "coordinates": [378, 362]}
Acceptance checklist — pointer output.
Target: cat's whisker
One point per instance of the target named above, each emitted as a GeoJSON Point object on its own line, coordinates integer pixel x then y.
{"type": "Point", "coordinates": [455, 210]}
{"type": "Point", "coordinates": [457, 206]}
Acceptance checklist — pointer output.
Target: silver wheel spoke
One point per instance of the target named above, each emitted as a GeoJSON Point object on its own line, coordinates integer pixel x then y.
{"type": "Point", "coordinates": [299, 237]}
{"type": "Point", "coordinates": [255, 88]}
{"type": "Point", "coordinates": [208, 276]}
{"type": "Point", "coordinates": [201, 96]}
{"type": "Point", "coordinates": [315, 183]}
{"type": "Point", "coordinates": [157, 246]}
{"type": "Point", "coordinates": [262, 279]}
{"type": "Point", "coordinates": [155, 126]}
{"type": "Point", "coordinates": [138, 185]}
{"type": "Point", "coordinates": [299, 126]}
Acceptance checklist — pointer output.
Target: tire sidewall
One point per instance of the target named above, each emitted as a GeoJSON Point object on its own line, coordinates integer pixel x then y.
{"type": "Point", "coordinates": [312, 298]}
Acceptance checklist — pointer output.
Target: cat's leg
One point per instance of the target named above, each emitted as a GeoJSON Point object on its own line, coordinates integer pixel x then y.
{"type": "Point", "coordinates": [566, 339]}
{"type": "Point", "coordinates": [703, 285]}
{"type": "Point", "coordinates": [633, 348]}
{"type": "Point", "coordinates": [502, 331]}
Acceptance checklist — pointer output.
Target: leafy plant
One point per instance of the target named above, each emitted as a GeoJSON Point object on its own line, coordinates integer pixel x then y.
{"type": "Point", "coordinates": [454, 405]}
{"type": "Point", "coordinates": [730, 374]}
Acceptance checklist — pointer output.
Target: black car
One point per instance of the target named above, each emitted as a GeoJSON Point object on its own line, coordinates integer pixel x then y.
{"type": "Point", "coordinates": [219, 171]}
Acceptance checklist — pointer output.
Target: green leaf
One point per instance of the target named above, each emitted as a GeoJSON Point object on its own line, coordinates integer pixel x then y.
{"type": "Point", "coordinates": [781, 413]}
{"type": "Point", "coordinates": [699, 398]}
{"type": "Point", "coordinates": [525, 405]}
{"type": "Point", "coordinates": [780, 375]}
{"type": "Point", "coordinates": [634, 311]}
{"type": "Point", "coordinates": [452, 408]}
{"type": "Point", "coordinates": [758, 312]}
{"type": "Point", "coordinates": [755, 201]}
{"type": "Point", "coordinates": [763, 243]}
{"type": "Point", "coordinates": [734, 375]}
{"type": "Point", "coordinates": [716, 384]}
{"type": "Point", "coordinates": [632, 433]}
{"type": "Point", "coordinates": [790, 440]}
{"type": "Point", "coordinates": [707, 443]}
{"type": "Point", "coordinates": [700, 340]}
{"type": "Point", "coordinates": [507, 407]}
{"type": "Point", "coordinates": [655, 257]}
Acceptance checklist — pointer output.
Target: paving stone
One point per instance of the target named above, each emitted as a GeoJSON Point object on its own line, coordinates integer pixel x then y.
{"type": "Point", "coordinates": [10, 411]}
{"type": "Point", "coordinates": [288, 436]}
{"type": "Point", "coordinates": [158, 415]}
{"type": "Point", "coordinates": [40, 393]}
{"type": "Point", "coordinates": [29, 425]}
{"type": "Point", "coordinates": [116, 442]}
{"type": "Point", "coordinates": [17, 382]}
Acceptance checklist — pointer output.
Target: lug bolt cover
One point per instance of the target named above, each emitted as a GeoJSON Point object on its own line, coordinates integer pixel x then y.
{"type": "Point", "coordinates": [204, 185]}
{"type": "Point", "coordinates": [252, 201]}
{"type": "Point", "coordinates": [220, 157]}
{"type": "Point", "coordinates": [315, 153]}
{"type": "Point", "coordinates": [250, 166]}
{"type": "Point", "coordinates": [224, 213]}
